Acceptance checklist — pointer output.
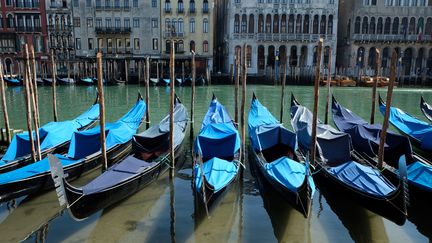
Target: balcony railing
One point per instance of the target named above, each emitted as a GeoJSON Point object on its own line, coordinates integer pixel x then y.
{"type": "Point", "coordinates": [65, 28]}
{"type": "Point", "coordinates": [113, 30]}
{"type": "Point", "coordinates": [27, 5]}
{"type": "Point", "coordinates": [402, 38]}
{"type": "Point", "coordinates": [114, 51]}
{"type": "Point", "coordinates": [169, 34]}
{"type": "Point", "coordinates": [28, 29]}
{"type": "Point", "coordinates": [282, 36]}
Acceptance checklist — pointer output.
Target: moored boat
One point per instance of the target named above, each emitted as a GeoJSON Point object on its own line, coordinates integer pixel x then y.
{"type": "Point", "coordinates": [12, 81]}
{"type": "Point", "coordinates": [341, 168]}
{"type": "Point", "coordinates": [88, 81]}
{"type": "Point", "coordinates": [84, 154]}
{"type": "Point", "coordinates": [149, 159]}
{"type": "Point", "coordinates": [426, 109]}
{"type": "Point", "coordinates": [275, 155]}
{"type": "Point", "coordinates": [66, 81]}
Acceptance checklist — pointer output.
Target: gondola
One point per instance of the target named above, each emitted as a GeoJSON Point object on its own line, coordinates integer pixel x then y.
{"type": "Point", "coordinates": [426, 109]}
{"type": "Point", "coordinates": [217, 153]}
{"type": "Point", "coordinates": [341, 168]}
{"type": "Point", "coordinates": [275, 154]}
{"type": "Point", "coordinates": [54, 138]}
{"type": "Point", "coordinates": [164, 82]}
{"type": "Point", "coordinates": [66, 81]}
{"type": "Point", "coordinates": [87, 81]}
{"type": "Point", "coordinates": [84, 154]}
{"type": "Point", "coordinates": [418, 131]}
{"type": "Point", "coordinates": [153, 81]}
{"type": "Point", "coordinates": [149, 159]}
{"type": "Point", "coordinates": [39, 81]}
{"type": "Point", "coordinates": [366, 139]}
{"type": "Point", "coordinates": [12, 81]}
{"type": "Point", "coordinates": [48, 81]}
{"type": "Point", "coordinates": [115, 81]}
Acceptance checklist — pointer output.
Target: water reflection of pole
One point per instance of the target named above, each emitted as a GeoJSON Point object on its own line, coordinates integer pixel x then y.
{"type": "Point", "coordinates": [172, 212]}
{"type": "Point", "coordinates": [4, 105]}
{"type": "Point", "coordinates": [283, 93]}
{"type": "Point", "coordinates": [28, 102]}
{"type": "Point", "coordinates": [42, 233]}
{"type": "Point", "coordinates": [147, 78]}
{"type": "Point", "coordinates": [315, 106]}
{"type": "Point", "coordinates": [192, 118]}
{"type": "Point", "coordinates": [375, 82]}
{"type": "Point", "coordinates": [329, 64]}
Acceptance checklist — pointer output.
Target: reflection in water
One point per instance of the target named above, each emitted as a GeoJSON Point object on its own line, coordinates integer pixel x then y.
{"type": "Point", "coordinates": [420, 214]}
{"type": "Point", "coordinates": [362, 224]}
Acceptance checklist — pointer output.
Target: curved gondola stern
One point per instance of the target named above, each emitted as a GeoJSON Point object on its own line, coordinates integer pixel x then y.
{"type": "Point", "coordinates": [380, 100]}
{"type": "Point", "coordinates": [294, 101]}
{"type": "Point", "coordinates": [139, 96]}
{"type": "Point", "coordinates": [97, 99]}
{"type": "Point", "coordinates": [425, 108]}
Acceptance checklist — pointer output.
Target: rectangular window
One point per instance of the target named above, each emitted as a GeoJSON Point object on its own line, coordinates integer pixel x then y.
{"type": "Point", "coordinates": [108, 22]}
{"type": "Point", "coordinates": [205, 26]}
{"type": "Point", "coordinates": [89, 22]}
{"type": "Point", "coordinates": [155, 44]}
{"type": "Point", "coordinates": [192, 26]}
{"type": "Point", "coordinates": [154, 23]}
{"type": "Point", "coordinates": [127, 23]}
{"type": "Point", "coordinates": [78, 43]}
{"type": "Point", "coordinates": [76, 3]}
{"type": "Point", "coordinates": [205, 46]}
{"type": "Point", "coordinates": [109, 45]}
{"type": "Point", "coordinates": [135, 3]}
{"type": "Point", "coordinates": [88, 3]}
{"type": "Point", "coordinates": [107, 3]}
{"type": "Point", "coordinates": [117, 23]}
{"type": "Point", "coordinates": [100, 43]}
{"type": "Point", "coordinates": [77, 22]}
{"type": "Point", "coordinates": [136, 44]}
{"type": "Point", "coordinates": [136, 23]}
{"type": "Point", "coordinates": [98, 22]}
{"type": "Point", "coordinates": [126, 3]}
{"type": "Point", "coordinates": [154, 4]}
{"type": "Point", "coordinates": [119, 44]}
{"type": "Point", "coordinates": [127, 43]}
{"type": "Point", "coordinates": [90, 43]}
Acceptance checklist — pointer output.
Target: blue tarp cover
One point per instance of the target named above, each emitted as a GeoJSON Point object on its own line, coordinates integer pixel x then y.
{"type": "Point", "coordinates": [119, 132]}
{"type": "Point", "coordinates": [289, 173]}
{"type": "Point", "coordinates": [218, 136]}
{"type": "Point", "coordinates": [412, 126]}
{"type": "Point", "coordinates": [363, 178]}
{"type": "Point", "coordinates": [366, 137]}
{"type": "Point", "coordinates": [51, 135]}
{"type": "Point", "coordinates": [88, 80]}
{"type": "Point", "coordinates": [218, 173]}
{"type": "Point", "coordinates": [420, 174]}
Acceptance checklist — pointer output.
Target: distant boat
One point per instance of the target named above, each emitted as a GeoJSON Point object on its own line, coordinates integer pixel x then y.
{"type": "Point", "coordinates": [67, 81]}
{"type": "Point", "coordinates": [54, 137]}
{"type": "Point", "coordinates": [48, 81]}
{"type": "Point", "coordinates": [13, 81]}
{"type": "Point", "coordinates": [275, 155]}
{"type": "Point", "coordinates": [88, 81]}
{"type": "Point", "coordinates": [39, 81]}
{"type": "Point", "coordinates": [426, 109]}
{"type": "Point", "coordinates": [153, 81]}
{"type": "Point", "coordinates": [149, 159]}
{"type": "Point", "coordinates": [84, 154]}
{"type": "Point", "coordinates": [115, 81]}
{"type": "Point", "coordinates": [216, 155]}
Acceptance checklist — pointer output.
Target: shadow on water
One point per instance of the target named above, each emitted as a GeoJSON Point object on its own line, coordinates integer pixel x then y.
{"type": "Point", "coordinates": [362, 224]}
{"type": "Point", "coordinates": [420, 214]}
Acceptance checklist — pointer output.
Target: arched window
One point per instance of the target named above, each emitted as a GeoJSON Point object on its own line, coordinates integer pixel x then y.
{"type": "Point", "coordinates": [379, 29]}
{"type": "Point", "coordinates": [330, 25]}
{"type": "Point", "coordinates": [261, 57]}
{"type": "Point", "coordinates": [291, 23]}
{"type": "Point", "coordinates": [167, 6]}
{"type": "Point", "coordinates": [192, 46]}
{"type": "Point", "coordinates": [404, 26]}
{"type": "Point", "coordinates": [249, 56]}
{"type": "Point", "coordinates": [236, 23]}
{"type": "Point", "coordinates": [420, 25]}
{"type": "Point", "coordinates": [180, 6]}
{"type": "Point", "coordinates": [167, 25]}
{"type": "Point", "coordinates": [10, 21]}
{"type": "Point", "coordinates": [428, 27]}
{"type": "Point", "coordinates": [298, 23]}
{"type": "Point", "coordinates": [306, 24]}
{"type": "Point", "coordinates": [372, 26]}
{"type": "Point", "coordinates": [1, 21]}
{"type": "Point", "coordinates": [192, 6]}
{"type": "Point", "coordinates": [283, 23]}
{"type": "Point", "coordinates": [180, 25]}
{"type": "Point", "coordinates": [268, 23]}
{"type": "Point", "coordinates": [276, 23]}
{"type": "Point", "coordinates": [192, 25]}
{"type": "Point", "coordinates": [260, 23]}
{"type": "Point", "coordinates": [387, 26]}
{"type": "Point", "coordinates": [395, 29]}
{"type": "Point", "coordinates": [179, 45]}
{"type": "Point", "coordinates": [244, 23]}
{"type": "Point", "coordinates": [251, 27]}
{"type": "Point", "coordinates": [323, 25]}
{"type": "Point", "coordinates": [412, 26]}
{"type": "Point", "coordinates": [174, 25]}
{"type": "Point", "coordinates": [357, 25]}
{"type": "Point", "coordinates": [315, 25]}
{"type": "Point", "coordinates": [365, 25]}
{"type": "Point", "coordinates": [205, 25]}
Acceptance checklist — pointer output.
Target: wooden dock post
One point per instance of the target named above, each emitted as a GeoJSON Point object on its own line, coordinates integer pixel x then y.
{"type": "Point", "coordinates": [192, 119]}
{"type": "Point", "coordinates": [237, 83]}
{"type": "Point", "coordinates": [171, 105]}
{"type": "Point", "coordinates": [183, 72]}
{"type": "Point", "coordinates": [157, 71]}
{"type": "Point", "coordinates": [329, 76]}
{"type": "Point", "coordinates": [101, 109]}
{"type": "Point", "coordinates": [375, 84]}
{"type": "Point", "coordinates": [126, 71]}
{"type": "Point", "coordinates": [283, 92]}
{"type": "Point", "coordinates": [147, 77]}
{"type": "Point", "coordinates": [54, 76]}
{"type": "Point", "coordinates": [4, 105]}
{"type": "Point", "coordinates": [31, 69]}
{"type": "Point", "coordinates": [387, 111]}
{"type": "Point", "coordinates": [232, 73]}
{"type": "Point", "coordinates": [316, 95]}
{"type": "Point", "coordinates": [243, 101]}
{"type": "Point", "coordinates": [208, 76]}
{"type": "Point", "coordinates": [139, 72]}
{"type": "Point", "coordinates": [35, 88]}
{"type": "Point", "coordinates": [27, 98]}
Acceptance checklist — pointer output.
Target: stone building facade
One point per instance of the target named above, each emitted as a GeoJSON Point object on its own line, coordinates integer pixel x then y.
{"type": "Point", "coordinates": [404, 26]}
{"type": "Point", "coordinates": [279, 31]}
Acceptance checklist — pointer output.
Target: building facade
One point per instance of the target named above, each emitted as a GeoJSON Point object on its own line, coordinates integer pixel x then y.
{"type": "Point", "coordinates": [190, 24]}
{"type": "Point", "coordinates": [22, 22]}
{"type": "Point", "coordinates": [404, 26]}
{"type": "Point", "coordinates": [124, 30]}
{"type": "Point", "coordinates": [60, 33]}
{"type": "Point", "coordinates": [280, 31]}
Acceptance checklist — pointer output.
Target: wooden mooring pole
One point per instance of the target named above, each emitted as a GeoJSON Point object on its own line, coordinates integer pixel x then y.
{"type": "Point", "coordinates": [387, 111]}
{"type": "Point", "coordinates": [31, 69]}
{"type": "Point", "coordinates": [35, 89]}
{"type": "Point", "coordinates": [237, 83]}
{"type": "Point", "coordinates": [4, 105]}
{"type": "Point", "coordinates": [192, 119]}
{"type": "Point", "coordinates": [27, 99]}
{"type": "Point", "coordinates": [171, 105]}
{"type": "Point", "coordinates": [283, 93]}
{"type": "Point", "coordinates": [329, 76]}
{"type": "Point", "coordinates": [243, 103]}
{"type": "Point", "coordinates": [101, 110]}
{"type": "Point", "coordinates": [316, 95]}
{"type": "Point", "coordinates": [147, 83]}
{"type": "Point", "coordinates": [54, 76]}
{"type": "Point", "coordinates": [375, 84]}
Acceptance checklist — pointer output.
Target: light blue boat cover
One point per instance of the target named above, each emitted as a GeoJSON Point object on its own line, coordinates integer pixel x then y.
{"type": "Point", "coordinates": [218, 173]}
{"type": "Point", "coordinates": [411, 126]}
{"type": "Point", "coordinates": [51, 135]}
{"type": "Point", "coordinates": [167, 80]}
{"type": "Point", "coordinates": [87, 80]}
{"type": "Point", "coordinates": [363, 178]}
{"type": "Point", "coordinates": [85, 143]}
{"type": "Point", "coordinates": [218, 136]}
{"type": "Point", "coordinates": [265, 131]}
{"type": "Point", "coordinates": [419, 174]}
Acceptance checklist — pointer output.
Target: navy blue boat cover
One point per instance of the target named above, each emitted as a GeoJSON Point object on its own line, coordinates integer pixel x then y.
{"type": "Point", "coordinates": [366, 137]}
{"type": "Point", "coordinates": [265, 131]}
{"type": "Point", "coordinates": [217, 140]}
{"type": "Point", "coordinates": [117, 133]}
{"type": "Point", "coordinates": [51, 135]}
{"type": "Point", "coordinates": [411, 126]}
{"type": "Point", "coordinates": [334, 148]}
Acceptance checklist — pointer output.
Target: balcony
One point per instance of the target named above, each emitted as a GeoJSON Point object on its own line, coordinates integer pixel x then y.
{"type": "Point", "coordinates": [8, 50]}
{"type": "Point", "coordinates": [388, 38]}
{"type": "Point", "coordinates": [28, 29]}
{"type": "Point", "coordinates": [114, 51]}
{"type": "Point", "coordinates": [169, 35]}
{"type": "Point", "coordinates": [111, 30]}
{"type": "Point", "coordinates": [27, 5]}
{"type": "Point", "coordinates": [66, 28]}
{"type": "Point", "coordinates": [282, 37]}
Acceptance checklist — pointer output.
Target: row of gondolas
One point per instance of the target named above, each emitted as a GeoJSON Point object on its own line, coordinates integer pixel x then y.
{"type": "Point", "coordinates": [345, 163]}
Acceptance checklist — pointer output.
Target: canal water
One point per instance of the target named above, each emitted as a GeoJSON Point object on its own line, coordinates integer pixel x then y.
{"type": "Point", "coordinates": [165, 212]}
